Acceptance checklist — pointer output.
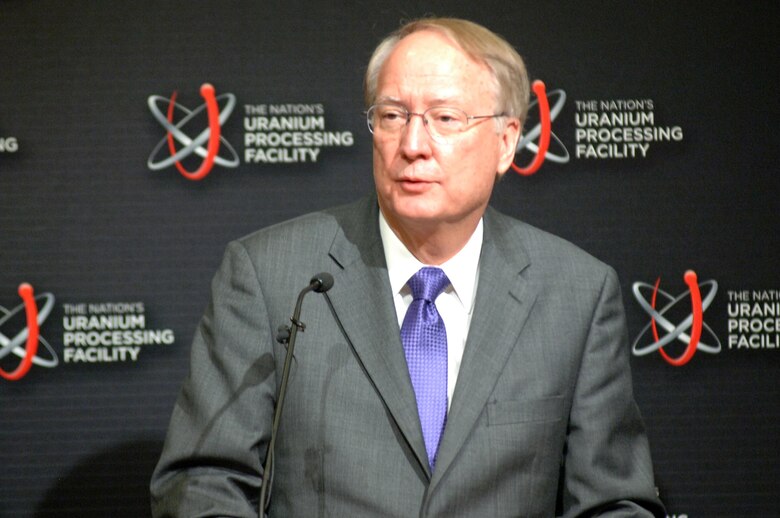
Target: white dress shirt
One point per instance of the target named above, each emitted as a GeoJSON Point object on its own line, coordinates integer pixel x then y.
{"type": "Point", "coordinates": [455, 304]}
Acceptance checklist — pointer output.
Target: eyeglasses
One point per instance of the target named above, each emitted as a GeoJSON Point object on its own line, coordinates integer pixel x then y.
{"type": "Point", "coordinates": [441, 122]}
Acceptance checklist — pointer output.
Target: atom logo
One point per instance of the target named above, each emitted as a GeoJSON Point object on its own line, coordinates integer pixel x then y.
{"type": "Point", "coordinates": [689, 331]}
{"type": "Point", "coordinates": [542, 131]}
{"type": "Point", "coordinates": [25, 343]}
{"type": "Point", "coordinates": [211, 136]}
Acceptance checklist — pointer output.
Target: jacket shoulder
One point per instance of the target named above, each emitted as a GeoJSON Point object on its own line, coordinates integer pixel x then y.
{"type": "Point", "coordinates": [542, 248]}
{"type": "Point", "coordinates": [314, 228]}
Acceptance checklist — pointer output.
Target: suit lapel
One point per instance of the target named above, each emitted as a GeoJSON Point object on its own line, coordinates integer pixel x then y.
{"type": "Point", "coordinates": [363, 303]}
{"type": "Point", "coordinates": [501, 308]}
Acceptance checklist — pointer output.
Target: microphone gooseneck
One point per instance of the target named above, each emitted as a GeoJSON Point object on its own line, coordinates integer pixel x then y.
{"type": "Point", "coordinates": [320, 283]}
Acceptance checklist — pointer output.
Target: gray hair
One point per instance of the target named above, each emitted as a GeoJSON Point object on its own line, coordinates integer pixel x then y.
{"type": "Point", "coordinates": [482, 45]}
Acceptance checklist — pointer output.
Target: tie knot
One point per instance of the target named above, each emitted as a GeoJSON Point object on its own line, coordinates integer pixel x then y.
{"type": "Point", "coordinates": [427, 283]}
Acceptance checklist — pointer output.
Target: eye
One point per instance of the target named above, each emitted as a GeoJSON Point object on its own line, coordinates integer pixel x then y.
{"type": "Point", "coordinates": [391, 114]}
{"type": "Point", "coordinates": [447, 117]}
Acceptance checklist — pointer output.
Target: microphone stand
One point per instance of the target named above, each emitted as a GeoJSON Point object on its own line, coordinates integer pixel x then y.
{"type": "Point", "coordinates": [319, 283]}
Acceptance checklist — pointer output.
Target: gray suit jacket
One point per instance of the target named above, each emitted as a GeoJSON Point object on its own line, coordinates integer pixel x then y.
{"type": "Point", "coordinates": [542, 421]}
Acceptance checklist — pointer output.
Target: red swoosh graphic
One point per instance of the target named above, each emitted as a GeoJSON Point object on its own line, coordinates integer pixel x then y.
{"type": "Point", "coordinates": [544, 137]}
{"type": "Point", "coordinates": [698, 319]}
{"type": "Point", "coordinates": [26, 292]}
{"type": "Point", "coordinates": [212, 109]}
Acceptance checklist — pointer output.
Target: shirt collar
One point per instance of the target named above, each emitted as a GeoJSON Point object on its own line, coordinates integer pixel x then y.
{"type": "Point", "coordinates": [462, 269]}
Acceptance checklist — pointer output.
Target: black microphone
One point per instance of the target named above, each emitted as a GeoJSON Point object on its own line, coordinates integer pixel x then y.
{"type": "Point", "coordinates": [320, 283]}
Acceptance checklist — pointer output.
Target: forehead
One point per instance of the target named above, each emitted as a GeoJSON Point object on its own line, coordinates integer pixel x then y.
{"type": "Point", "coordinates": [427, 64]}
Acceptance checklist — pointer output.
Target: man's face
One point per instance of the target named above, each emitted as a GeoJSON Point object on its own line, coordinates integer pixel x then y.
{"type": "Point", "coordinates": [421, 183]}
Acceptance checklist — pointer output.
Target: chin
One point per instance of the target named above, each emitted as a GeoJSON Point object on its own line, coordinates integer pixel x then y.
{"type": "Point", "coordinates": [420, 212]}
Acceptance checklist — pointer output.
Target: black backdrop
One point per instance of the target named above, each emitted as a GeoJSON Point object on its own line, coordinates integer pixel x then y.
{"type": "Point", "coordinates": [98, 233]}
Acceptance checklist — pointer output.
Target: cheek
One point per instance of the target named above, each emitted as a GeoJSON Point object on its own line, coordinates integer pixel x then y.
{"type": "Point", "coordinates": [474, 172]}
{"type": "Point", "coordinates": [382, 170]}
{"type": "Point", "coordinates": [382, 159]}
{"type": "Point", "coordinates": [469, 163]}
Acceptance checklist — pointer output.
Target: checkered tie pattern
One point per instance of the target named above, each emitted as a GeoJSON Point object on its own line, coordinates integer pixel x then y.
{"type": "Point", "coordinates": [425, 346]}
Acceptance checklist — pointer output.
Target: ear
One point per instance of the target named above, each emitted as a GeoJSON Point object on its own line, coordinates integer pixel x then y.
{"type": "Point", "coordinates": [508, 144]}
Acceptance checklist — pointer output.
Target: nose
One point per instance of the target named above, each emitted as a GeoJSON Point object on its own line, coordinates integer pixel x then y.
{"type": "Point", "coordinates": [415, 139]}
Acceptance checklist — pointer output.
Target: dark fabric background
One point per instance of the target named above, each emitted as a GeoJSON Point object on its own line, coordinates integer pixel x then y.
{"type": "Point", "coordinates": [82, 216]}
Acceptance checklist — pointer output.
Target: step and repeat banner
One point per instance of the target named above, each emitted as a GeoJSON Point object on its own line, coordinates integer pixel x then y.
{"type": "Point", "coordinates": [138, 138]}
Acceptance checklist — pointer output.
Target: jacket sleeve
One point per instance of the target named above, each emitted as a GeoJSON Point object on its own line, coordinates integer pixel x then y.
{"type": "Point", "coordinates": [211, 464]}
{"type": "Point", "coordinates": [607, 469]}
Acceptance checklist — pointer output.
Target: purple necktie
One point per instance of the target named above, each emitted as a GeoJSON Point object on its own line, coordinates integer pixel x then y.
{"type": "Point", "coordinates": [425, 346]}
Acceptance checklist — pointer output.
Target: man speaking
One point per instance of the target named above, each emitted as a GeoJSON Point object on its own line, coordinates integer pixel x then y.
{"type": "Point", "coordinates": [462, 364]}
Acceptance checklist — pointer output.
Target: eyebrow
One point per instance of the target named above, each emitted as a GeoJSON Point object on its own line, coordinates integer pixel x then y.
{"type": "Point", "coordinates": [439, 101]}
{"type": "Point", "coordinates": [388, 100]}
